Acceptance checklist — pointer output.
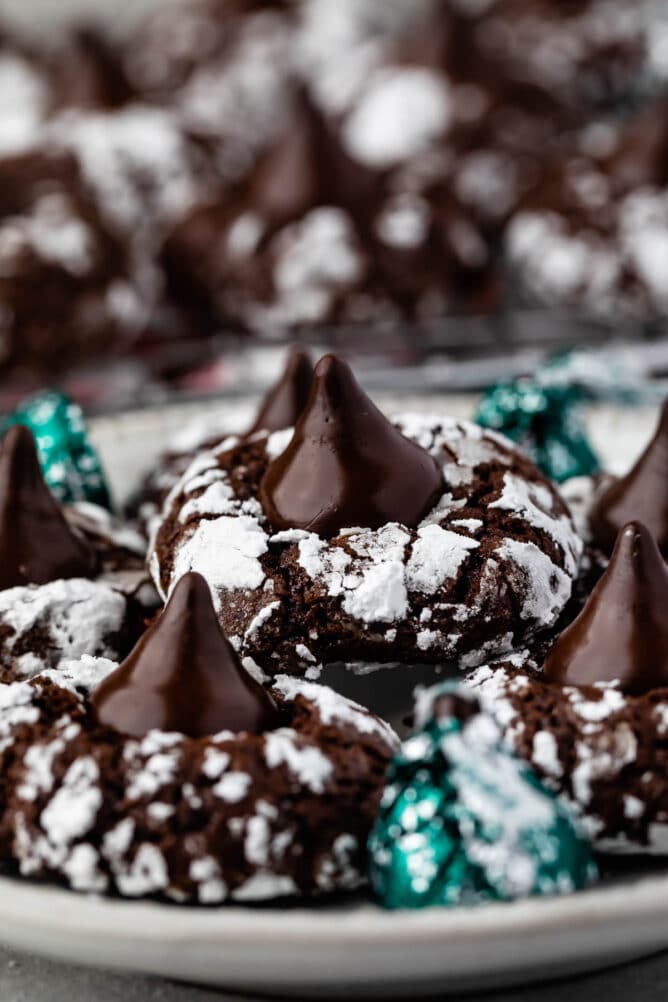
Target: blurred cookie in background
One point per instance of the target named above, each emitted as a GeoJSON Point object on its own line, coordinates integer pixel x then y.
{"type": "Point", "coordinates": [67, 292]}
{"type": "Point", "coordinates": [594, 233]}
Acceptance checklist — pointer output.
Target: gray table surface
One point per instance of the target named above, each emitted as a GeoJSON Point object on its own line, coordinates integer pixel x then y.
{"type": "Point", "coordinates": [25, 978]}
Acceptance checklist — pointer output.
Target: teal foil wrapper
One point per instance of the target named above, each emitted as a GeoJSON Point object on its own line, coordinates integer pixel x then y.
{"type": "Point", "coordinates": [546, 421]}
{"type": "Point", "coordinates": [70, 463]}
{"type": "Point", "coordinates": [464, 822]}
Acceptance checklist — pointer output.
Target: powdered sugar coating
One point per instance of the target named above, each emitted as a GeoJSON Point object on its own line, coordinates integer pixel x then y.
{"type": "Point", "coordinates": [401, 112]}
{"type": "Point", "coordinates": [240, 101]}
{"type": "Point", "coordinates": [43, 626]}
{"type": "Point", "coordinates": [315, 260]}
{"type": "Point", "coordinates": [50, 230]}
{"type": "Point", "coordinates": [51, 233]}
{"type": "Point", "coordinates": [23, 102]}
{"type": "Point", "coordinates": [136, 159]}
{"type": "Point", "coordinates": [498, 520]}
{"type": "Point", "coordinates": [598, 748]}
{"type": "Point", "coordinates": [595, 233]}
{"type": "Point", "coordinates": [191, 820]}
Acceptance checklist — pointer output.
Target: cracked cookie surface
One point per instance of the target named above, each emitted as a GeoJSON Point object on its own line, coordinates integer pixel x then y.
{"type": "Point", "coordinates": [602, 750]}
{"type": "Point", "coordinates": [241, 817]}
{"type": "Point", "coordinates": [490, 566]}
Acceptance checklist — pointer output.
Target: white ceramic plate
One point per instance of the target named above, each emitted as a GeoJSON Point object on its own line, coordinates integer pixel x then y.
{"type": "Point", "coordinates": [353, 948]}
{"type": "Point", "coordinates": [356, 950]}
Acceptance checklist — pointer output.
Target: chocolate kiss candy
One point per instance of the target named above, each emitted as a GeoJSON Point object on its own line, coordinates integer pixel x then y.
{"type": "Point", "coordinates": [36, 543]}
{"type": "Point", "coordinates": [184, 676]}
{"type": "Point", "coordinates": [92, 73]}
{"type": "Point", "coordinates": [287, 398]}
{"type": "Point", "coordinates": [642, 494]}
{"type": "Point", "coordinates": [307, 167]}
{"type": "Point", "coordinates": [346, 465]}
{"type": "Point", "coordinates": [622, 632]}
{"type": "Point", "coordinates": [289, 181]}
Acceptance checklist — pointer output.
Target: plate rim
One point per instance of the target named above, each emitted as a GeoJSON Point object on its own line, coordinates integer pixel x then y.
{"type": "Point", "coordinates": [626, 898]}
{"type": "Point", "coordinates": [348, 950]}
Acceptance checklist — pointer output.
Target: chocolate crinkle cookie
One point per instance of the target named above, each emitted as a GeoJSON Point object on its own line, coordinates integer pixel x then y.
{"type": "Point", "coordinates": [176, 775]}
{"type": "Point", "coordinates": [592, 716]}
{"type": "Point", "coordinates": [119, 546]}
{"type": "Point", "coordinates": [592, 231]}
{"type": "Point", "coordinates": [42, 625]}
{"type": "Point", "coordinates": [61, 268]}
{"type": "Point", "coordinates": [464, 547]}
{"type": "Point", "coordinates": [602, 750]}
{"type": "Point", "coordinates": [58, 599]}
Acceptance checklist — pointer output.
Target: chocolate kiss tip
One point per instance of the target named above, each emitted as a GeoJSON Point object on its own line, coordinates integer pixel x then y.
{"type": "Point", "coordinates": [184, 676]}
{"type": "Point", "coordinates": [622, 633]}
{"type": "Point", "coordinates": [642, 494]}
{"type": "Point", "coordinates": [346, 464]}
{"type": "Point", "coordinates": [36, 543]}
{"type": "Point", "coordinates": [290, 180]}
{"type": "Point", "coordinates": [287, 398]}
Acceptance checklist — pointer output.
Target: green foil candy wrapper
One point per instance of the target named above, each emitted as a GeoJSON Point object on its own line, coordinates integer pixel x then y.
{"type": "Point", "coordinates": [464, 822]}
{"type": "Point", "coordinates": [70, 464]}
{"type": "Point", "coordinates": [544, 420]}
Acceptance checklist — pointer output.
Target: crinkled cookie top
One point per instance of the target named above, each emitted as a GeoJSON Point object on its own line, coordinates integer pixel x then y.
{"type": "Point", "coordinates": [490, 566]}
{"type": "Point", "coordinates": [600, 749]}
{"type": "Point", "coordinates": [229, 817]}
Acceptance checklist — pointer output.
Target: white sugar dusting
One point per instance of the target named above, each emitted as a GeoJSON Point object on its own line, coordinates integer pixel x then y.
{"type": "Point", "coordinates": [399, 115]}
{"type": "Point", "coordinates": [146, 874]}
{"type": "Point", "coordinates": [72, 811]}
{"type": "Point", "coordinates": [545, 587]}
{"type": "Point", "coordinates": [79, 617]}
{"type": "Point", "coordinates": [80, 676]}
{"type": "Point", "coordinates": [205, 872]}
{"type": "Point", "coordinates": [129, 156]}
{"type": "Point", "coordinates": [51, 230]}
{"type": "Point", "coordinates": [315, 258]}
{"type": "Point", "coordinates": [233, 786]}
{"type": "Point", "coordinates": [372, 583]}
{"type": "Point", "coordinates": [23, 101]}
{"type": "Point", "coordinates": [262, 617]}
{"type": "Point", "coordinates": [307, 763]}
{"type": "Point", "coordinates": [302, 651]}
{"type": "Point", "coordinates": [334, 708]}
{"type": "Point", "coordinates": [437, 555]}
{"type": "Point", "coordinates": [146, 776]}
{"type": "Point", "coordinates": [404, 221]}
{"type": "Point", "coordinates": [226, 552]}
{"type": "Point", "coordinates": [262, 886]}
{"type": "Point", "coordinates": [217, 499]}
{"type": "Point", "coordinates": [545, 754]}
{"type": "Point", "coordinates": [534, 503]}
{"type": "Point", "coordinates": [82, 869]}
